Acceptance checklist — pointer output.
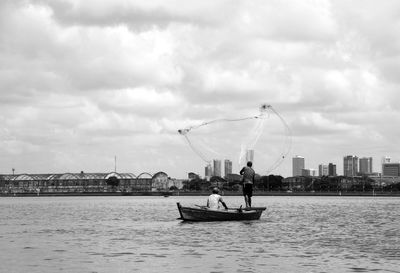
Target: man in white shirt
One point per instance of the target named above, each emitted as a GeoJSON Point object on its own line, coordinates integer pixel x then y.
{"type": "Point", "coordinates": [214, 199]}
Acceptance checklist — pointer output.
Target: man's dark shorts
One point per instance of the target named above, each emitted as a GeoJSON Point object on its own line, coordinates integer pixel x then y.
{"type": "Point", "coordinates": [248, 190]}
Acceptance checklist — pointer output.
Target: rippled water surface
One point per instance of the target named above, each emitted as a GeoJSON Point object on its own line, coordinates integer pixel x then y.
{"type": "Point", "coordinates": [142, 234]}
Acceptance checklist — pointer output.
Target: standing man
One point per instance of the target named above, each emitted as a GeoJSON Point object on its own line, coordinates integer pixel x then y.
{"type": "Point", "coordinates": [248, 181]}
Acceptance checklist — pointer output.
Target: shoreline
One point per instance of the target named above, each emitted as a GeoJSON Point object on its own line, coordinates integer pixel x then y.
{"type": "Point", "coordinates": [200, 193]}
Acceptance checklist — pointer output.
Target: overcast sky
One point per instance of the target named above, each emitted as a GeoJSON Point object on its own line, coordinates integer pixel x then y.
{"type": "Point", "coordinates": [84, 81]}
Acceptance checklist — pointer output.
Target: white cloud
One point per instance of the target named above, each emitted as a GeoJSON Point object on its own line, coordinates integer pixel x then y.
{"type": "Point", "coordinates": [85, 80]}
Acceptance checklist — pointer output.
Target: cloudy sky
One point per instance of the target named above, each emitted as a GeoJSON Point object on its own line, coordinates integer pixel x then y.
{"type": "Point", "coordinates": [84, 81]}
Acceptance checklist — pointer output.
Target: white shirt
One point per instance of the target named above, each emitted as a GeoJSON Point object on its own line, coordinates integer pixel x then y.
{"type": "Point", "coordinates": [213, 201]}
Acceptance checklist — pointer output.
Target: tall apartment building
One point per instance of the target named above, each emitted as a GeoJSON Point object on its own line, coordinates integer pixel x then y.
{"type": "Point", "coordinates": [297, 165]}
{"type": "Point", "coordinates": [323, 170]}
{"type": "Point", "coordinates": [228, 167]}
{"type": "Point", "coordinates": [208, 171]}
{"type": "Point", "coordinates": [331, 169]}
{"type": "Point", "coordinates": [385, 159]}
{"type": "Point", "coordinates": [350, 165]}
{"type": "Point", "coordinates": [250, 155]}
{"type": "Point", "coordinates": [217, 167]}
{"type": "Point", "coordinates": [391, 169]}
{"type": "Point", "coordinates": [365, 165]}
{"type": "Point", "coordinates": [308, 172]}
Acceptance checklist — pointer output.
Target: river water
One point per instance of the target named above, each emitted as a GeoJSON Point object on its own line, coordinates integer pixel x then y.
{"type": "Point", "coordinates": [142, 234]}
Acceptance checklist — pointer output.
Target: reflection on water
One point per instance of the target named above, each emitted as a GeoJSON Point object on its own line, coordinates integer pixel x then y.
{"type": "Point", "coordinates": [142, 234]}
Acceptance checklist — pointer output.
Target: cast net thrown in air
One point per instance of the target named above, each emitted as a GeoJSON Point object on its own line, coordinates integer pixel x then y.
{"type": "Point", "coordinates": [264, 138]}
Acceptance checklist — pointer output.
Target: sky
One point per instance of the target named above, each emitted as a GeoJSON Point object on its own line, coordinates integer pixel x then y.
{"type": "Point", "coordinates": [99, 85]}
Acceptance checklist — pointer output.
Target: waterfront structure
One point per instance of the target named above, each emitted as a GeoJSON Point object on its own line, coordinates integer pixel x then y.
{"type": "Point", "coordinates": [298, 165]}
{"type": "Point", "coordinates": [217, 167]}
{"type": "Point", "coordinates": [391, 169]}
{"type": "Point", "coordinates": [331, 169]}
{"type": "Point", "coordinates": [85, 183]}
{"type": "Point", "coordinates": [249, 155]}
{"type": "Point", "coordinates": [160, 182]}
{"type": "Point", "coordinates": [350, 165]}
{"type": "Point", "coordinates": [228, 167]}
{"type": "Point", "coordinates": [365, 165]}
{"type": "Point", "coordinates": [323, 170]}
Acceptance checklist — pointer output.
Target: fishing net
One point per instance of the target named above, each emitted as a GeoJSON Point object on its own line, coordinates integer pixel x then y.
{"type": "Point", "coordinates": [264, 138]}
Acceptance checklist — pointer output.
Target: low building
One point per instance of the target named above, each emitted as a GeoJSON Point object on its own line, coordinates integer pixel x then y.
{"type": "Point", "coordinates": [295, 183]}
{"type": "Point", "coordinates": [83, 182]}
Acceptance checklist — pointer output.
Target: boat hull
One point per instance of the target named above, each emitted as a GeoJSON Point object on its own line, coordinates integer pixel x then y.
{"type": "Point", "coordinates": [204, 214]}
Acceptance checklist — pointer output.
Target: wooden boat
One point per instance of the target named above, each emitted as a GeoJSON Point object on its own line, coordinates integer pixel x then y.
{"type": "Point", "coordinates": [202, 213]}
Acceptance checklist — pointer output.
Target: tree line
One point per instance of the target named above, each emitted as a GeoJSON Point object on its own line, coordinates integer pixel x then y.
{"type": "Point", "coordinates": [298, 184]}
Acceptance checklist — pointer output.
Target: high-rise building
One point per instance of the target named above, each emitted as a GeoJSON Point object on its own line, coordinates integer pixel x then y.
{"type": "Point", "coordinates": [331, 169]}
{"type": "Point", "coordinates": [217, 167]}
{"type": "Point", "coordinates": [305, 172]}
{"type": "Point", "coordinates": [391, 169]}
{"type": "Point", "coordinates": [308, 172]}
{"type": "Point", "coordinates": [350, 165]}
{"type": "Point", "coordinates": [208, 171]}
{"type": "Point", "coordinates": [365, 165]}
{"type": "Point", "coordinates": [250, 155]}
{"type": "Point", "coordinates": [298, 165]}
{"type": "Point", "coordinates": [228, 167]}
{"type": "Point", "coordinates": [385, 159]}
{"type": "Point", "coordinates": [322, 170]}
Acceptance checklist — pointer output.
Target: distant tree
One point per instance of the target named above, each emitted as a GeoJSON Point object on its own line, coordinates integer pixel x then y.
{"type": "Point", "coordinates": [334, 183]}
{"type": "Point", "coordinates": [264, 183]}
{"type": "Point", "coordinates": [196, 184]}
{"type": "Point", "coordinates": [277, 183]}
{"type": "Point", "coordinates": [2, 181]}
{"type": "Point", "coordinates": [396, 187]}
{"type": "Point", "coordinates": [271, 182]}
{"type": "Point", "coordinates": [258, 183]}
{"type": "Point", "coordinates": [215, 179]}
{"type": "Point", "coordinates": [236, 187]}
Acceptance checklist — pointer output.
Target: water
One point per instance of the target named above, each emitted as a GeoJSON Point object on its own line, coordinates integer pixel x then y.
{"type": "Point", "coordinates": [142, 234]}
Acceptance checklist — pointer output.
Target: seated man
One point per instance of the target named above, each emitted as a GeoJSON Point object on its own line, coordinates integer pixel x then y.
{"type": "Point", "coordinates": [214, 199]}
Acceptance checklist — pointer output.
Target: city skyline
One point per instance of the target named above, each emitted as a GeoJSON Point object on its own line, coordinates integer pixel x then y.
{"type": "Point", "coordinates": [352, 166]}
{"type": "Point", "coordinates": [85, 82]}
